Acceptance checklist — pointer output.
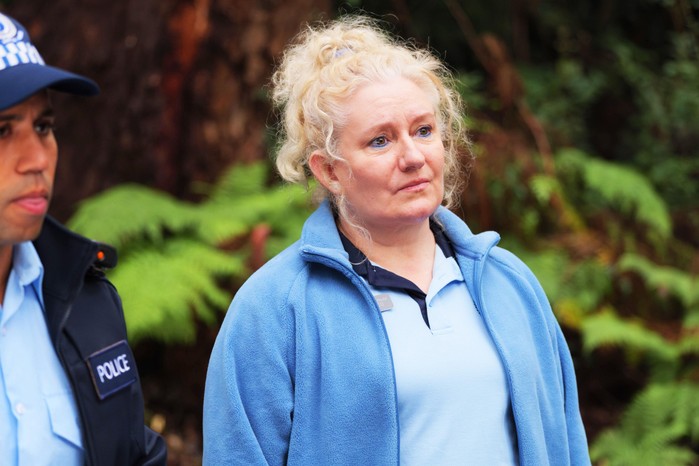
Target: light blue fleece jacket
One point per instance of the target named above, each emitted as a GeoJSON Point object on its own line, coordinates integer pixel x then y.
{"type": "Point", "coordinates": [301, 372]}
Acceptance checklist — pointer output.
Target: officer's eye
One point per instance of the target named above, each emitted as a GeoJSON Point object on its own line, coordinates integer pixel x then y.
{"type": "Point", "coordinates": [45, 127]}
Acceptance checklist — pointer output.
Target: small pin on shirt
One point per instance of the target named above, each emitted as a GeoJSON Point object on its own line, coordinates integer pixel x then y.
{"type": "Point", "coordinates": [384, 301]}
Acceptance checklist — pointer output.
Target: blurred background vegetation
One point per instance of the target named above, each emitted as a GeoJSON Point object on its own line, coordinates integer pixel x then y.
{"type": "Point", "coordinates": [585, 118]}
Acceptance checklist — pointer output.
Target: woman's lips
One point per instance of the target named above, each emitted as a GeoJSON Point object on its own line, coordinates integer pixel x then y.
{"type": "Point", "coordinates": [416, 185]}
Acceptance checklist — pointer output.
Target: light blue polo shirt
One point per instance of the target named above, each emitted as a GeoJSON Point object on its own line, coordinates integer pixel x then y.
{"type": "Point", "coordinates": [453, 399]}
{"type": "Point", "coordinates": [39, 422]}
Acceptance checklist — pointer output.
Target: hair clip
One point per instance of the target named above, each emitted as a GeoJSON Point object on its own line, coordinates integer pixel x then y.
{"type": "Point", "coordinates": [341, 52]}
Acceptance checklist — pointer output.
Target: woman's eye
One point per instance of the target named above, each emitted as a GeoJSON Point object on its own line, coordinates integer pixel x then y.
{"type": "Point", "coordinates": [4, 130]}
{"type": "Point", "coordinates": [424, 131]}
{"type": "Point", "coordinates": [380, 141]}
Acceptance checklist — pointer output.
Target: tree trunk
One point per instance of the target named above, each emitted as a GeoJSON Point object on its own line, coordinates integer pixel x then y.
{"type": "Point", "coordinates": [182, 86]}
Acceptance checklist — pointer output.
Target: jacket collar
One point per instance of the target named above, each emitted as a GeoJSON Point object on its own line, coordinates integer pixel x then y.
{"type": "Point", "coordinates": [66, 257]}
{"type": "Point", "coordinates": [464, 241]}
{"type": "Point", "coordinates": [320, 238]}
{"type": "Point", "coordinates": [320, 235]}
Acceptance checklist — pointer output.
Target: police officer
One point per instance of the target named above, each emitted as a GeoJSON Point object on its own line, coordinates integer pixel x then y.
{"type": "Point", "coordinates": [69, 388]}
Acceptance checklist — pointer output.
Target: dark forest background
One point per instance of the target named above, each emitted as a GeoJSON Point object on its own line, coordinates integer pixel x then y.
{"type": "Point", "coordinates": [585, 121]}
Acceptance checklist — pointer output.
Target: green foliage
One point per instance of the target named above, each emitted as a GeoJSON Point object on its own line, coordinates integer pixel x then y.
{"type": "Point", "coordinates": [661, 426]}
{"type": "Point", "coordinates": [589, 289]}
{"type": "Point", "coordinates": [575, 288]}
{"type": "Point", "coordinates": [647, 89]}
{"type": "Point", "coordinates": [658, 428]}
{"type": "Point", "coordinates": [129, 213]}
{"type": "Point", "coordinates": [511, 198]}
{"type": "Point", "coordinates": [544, 189]}
{"type": "Point", "coordinates": [662, 135]}
{"type": "Point", "coordinates": [470, 88]}
{"type": "Point", "coordinates": [665, 281]}
{"type": "Point", "coordinates": [179, 261]}
{"type": "Point", "coordinates": [562, 97]}
{"type": "Point", "coordinates": [610, 185]}
{"type": "Point", "coordinates": [608, 329]}
{"type": "Point", "coordinates": [160, 287]}
{"type": "Point", "coordinates": [618, 298]}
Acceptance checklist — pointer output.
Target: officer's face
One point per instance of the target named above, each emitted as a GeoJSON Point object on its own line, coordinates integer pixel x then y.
{"type": "Point", "coordinates": [28, 155]}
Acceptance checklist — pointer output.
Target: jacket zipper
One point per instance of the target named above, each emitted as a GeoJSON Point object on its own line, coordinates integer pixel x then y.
{"type": "Point", "coordinates": [364, 289]}
{"type": "Point", "coordinates": [87, 445]}
{"type": "Point", "coordinates": [480, 307]}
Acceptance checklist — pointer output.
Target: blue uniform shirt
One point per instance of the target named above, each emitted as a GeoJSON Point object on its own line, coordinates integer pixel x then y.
{"type": "Point", "coordinates": [39, 422]}
{"type": "Point", "coordinates": [453, 397]}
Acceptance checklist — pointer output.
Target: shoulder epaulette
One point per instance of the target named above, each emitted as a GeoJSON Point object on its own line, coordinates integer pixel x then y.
{"type": "Point", "coordinates": [106, 257]}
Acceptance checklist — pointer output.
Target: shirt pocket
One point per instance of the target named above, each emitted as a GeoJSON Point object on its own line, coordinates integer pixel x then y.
{"type": "Point", "coordinates": [64, 421]}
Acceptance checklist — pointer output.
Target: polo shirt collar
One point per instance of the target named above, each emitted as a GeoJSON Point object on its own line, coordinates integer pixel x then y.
{"type": "Point", "coordinates": [381, 278]}
{"type": "Point", "coordinates": [366, 269]}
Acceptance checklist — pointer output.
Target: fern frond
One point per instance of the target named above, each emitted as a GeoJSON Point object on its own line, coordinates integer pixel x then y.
{"type": "Point", "coordinates": [163, 289]}
{"type": "Point", "coordinates": [620, 187]}
{"type": "Point", "coordinates": [606, 328]}
{"type": "Point", "coordinates": [574, 288]}
{"type": "Point", "coordinates": [614, 448]}
{"type": "Point", "coordinates": [239, 181]}
{"type": "Point", "coordinates": [225, 219]}
{"type": "Point", "coordinates": [172, 257]}
{"type": "Point", "coordinates": [655, 428]}
{"type": "Point", "coordinates": [129, 212]}
{"type": "Point", "coordinates": [664, 280]}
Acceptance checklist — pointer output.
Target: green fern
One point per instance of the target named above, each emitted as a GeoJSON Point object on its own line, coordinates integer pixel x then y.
{"type": "Point", "coordinates": [242, 181]}
{"type": "Point", "coordinates": [162, 287]}
{"type": "Point", "coordinates": [607, 329]}
{"type": "Point", "coordinates": [575, 288]}
{"type": "Point", "coordinates": [178, 261]}
{"type": "Point", "coordinates": [661, 427]}
{"type": "Point", "coordinates": [614, 448]}
{"type": "Point", "coordinates": [129, 213]}
{"type": "Point", "coordinates": [617, 187]}
{"type": "Point", "coordinates": [666, 281]}
{"type": "Point", "coordinates": [229, 218]}
{"type": "Point", "coordinates": [544, 188]}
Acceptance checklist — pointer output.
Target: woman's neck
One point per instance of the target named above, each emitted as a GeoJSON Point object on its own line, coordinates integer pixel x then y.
{"type": "Point", "coordinates": [407, 251]}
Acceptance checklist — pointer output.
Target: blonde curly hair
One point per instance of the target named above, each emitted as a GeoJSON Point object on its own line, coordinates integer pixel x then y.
{"type": "Point", "coordinates": [326, 64]}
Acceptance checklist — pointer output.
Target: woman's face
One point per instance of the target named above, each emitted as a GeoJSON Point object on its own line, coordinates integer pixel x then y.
{"type": "Point", "coordinates": [393, 175]}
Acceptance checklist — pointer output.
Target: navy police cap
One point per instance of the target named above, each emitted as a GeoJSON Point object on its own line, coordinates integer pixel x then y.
{"type": "Point", "coordinates": [24, 73]}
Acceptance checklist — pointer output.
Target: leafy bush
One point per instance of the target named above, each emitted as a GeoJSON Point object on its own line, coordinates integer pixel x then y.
{"type": "Point", "coordinates": [180, 261]}
{"type": "Point", "coordinates": [660, 427]}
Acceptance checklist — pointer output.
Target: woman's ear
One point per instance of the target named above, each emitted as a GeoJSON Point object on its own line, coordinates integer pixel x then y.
{"type": "Point", "coordinates": [324, 171]}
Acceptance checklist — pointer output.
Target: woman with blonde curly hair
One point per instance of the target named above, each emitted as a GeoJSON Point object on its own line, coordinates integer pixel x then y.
{"type": "Point", "coordinates": [389, 333]}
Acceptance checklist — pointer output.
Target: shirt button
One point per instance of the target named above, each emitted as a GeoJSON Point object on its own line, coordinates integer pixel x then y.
{"type": "Point", "coordinates": [20, 408]}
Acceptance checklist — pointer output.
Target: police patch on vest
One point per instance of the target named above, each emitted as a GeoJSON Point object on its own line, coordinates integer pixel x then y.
{"type": "Point", "coordinates": [112, 369]}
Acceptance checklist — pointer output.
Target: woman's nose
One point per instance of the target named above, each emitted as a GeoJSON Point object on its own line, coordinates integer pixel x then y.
{"type": "Point", "coordinates": [411, 156]}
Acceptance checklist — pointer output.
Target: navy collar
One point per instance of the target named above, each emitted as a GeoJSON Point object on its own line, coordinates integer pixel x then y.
{"type": "Point", "coordinates": [382, 278]}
